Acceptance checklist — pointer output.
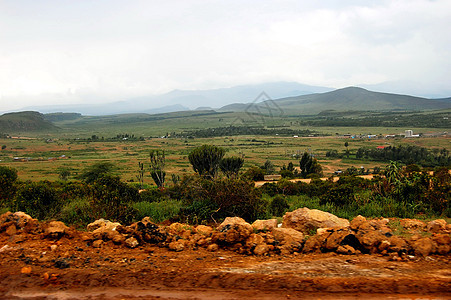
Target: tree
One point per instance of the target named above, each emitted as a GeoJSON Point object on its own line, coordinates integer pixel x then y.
{"type": "Point", "coordinates": [140, 175]}
{"type": "Point", "coordinates": [230, 166]}
{"type": "Point", "coordinates": [347, 150]}
{"type": "Point", "coordinates": [205, 160]}
{"type": "Point", "coordinates": [157, 163]}
{"type": "Point", "coordinates": [64, 174]}
{"type": "Point", "coordinates": [309, 165]}
{"type": "Point", "coordinates": [95, 171]}
{"type": "Point", "coordinates": [8, 177]}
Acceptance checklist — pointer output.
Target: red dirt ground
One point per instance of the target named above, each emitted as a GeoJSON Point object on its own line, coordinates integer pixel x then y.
{"type": "Point", "coordinates": [30, 269]}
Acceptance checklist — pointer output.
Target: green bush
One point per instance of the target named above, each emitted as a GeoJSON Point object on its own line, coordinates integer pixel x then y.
{"type": "Point", "coordinates": [278, 206]}
{"type": "Point", "coordinates": [8, 177]}
{"type": "Point", "coordinates": [111, 199]}
{"type": "Point", "coordinates": [77, 212]}
{"type": "Point", "coordinates": [157, 211]}
{"type": "Point", "coordinates": [38, 199]}
{"type": "Point", "coordinates": [220, 198]}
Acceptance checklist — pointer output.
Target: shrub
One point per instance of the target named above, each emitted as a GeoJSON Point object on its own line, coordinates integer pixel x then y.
{"type": "Point", "coordinates": [278, 206]}
{"type": "Point", "coordinates": [157, 211]}
{"type": "Point", "coordinates": [215, 199]}
{"type": "Point", "coordinates": [254, 173]}
{"type": "Point", "coordinates": [8, 177]}
{"type": "Point", "coordinates": [77, 212]}
{"type": "Point", "coordinates": [111, 199]}
{"type": "Point", "coordinates": [38, 199]}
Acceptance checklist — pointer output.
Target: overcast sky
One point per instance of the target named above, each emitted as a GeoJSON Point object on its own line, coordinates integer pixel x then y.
{"type": "Point", "coordinates": [106, 50]}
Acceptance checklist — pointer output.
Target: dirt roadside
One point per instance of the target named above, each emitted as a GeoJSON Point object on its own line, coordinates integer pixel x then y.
{"type": "Point", "coordinates": [33, 268]}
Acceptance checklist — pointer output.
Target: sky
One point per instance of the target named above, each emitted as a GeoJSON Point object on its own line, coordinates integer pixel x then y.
{"type": "Point", "coordinates": [82, 51]}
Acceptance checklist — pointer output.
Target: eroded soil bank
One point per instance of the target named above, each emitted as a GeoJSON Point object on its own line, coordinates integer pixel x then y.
{"type": "Point", "coordinates": [48, 260]}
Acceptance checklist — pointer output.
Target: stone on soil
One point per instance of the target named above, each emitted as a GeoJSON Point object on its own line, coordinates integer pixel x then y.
{"type": "Point", "coordinates": [307, 220]}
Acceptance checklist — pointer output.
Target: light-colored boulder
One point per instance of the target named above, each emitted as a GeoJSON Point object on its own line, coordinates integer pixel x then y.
{"type": "Point", "coordinates": [131, 242]}
{"type": "Point", "coordinates": [203, 230]}
{"type": "Point", "coordinates": [176, 246]}
{"type": "Point", "coordinates": [55, 229]}
{"type": "Point", "coordinates": [308, 220]}
{"type": "Point", "coordinates": [288, 236]}
{"type": "Point", "coordinates": [102, 223]}
{"type": "Point", "coordinates": [436, 225]}
{"type": "Point", "coordinates": [260, 225]}
{"type": "Point", "coordinates": [412, 224]}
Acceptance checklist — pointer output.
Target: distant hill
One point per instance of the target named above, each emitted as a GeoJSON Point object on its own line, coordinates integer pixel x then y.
{"type": "Point", "coordinates": [183, 100]}
{"type": "Point", "coordinates": [24, 121]}
{"type": "Point", "coordinates": [351, 98]}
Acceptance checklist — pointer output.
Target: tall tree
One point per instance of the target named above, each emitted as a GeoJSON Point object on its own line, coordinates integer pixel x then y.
{"type": "Point", "coordinates": [230, 166]}
{"type": "Point", "coordinates": [157, 163]}
{"type": "Point", "coordinates": [309, 165]}
{"type": "Point", "coordinates": [205, 160]}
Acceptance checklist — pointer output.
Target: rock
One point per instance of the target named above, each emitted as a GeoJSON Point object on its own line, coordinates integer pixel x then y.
{"type": "Point", "coordinates": [335, 238]}
{"type": "Point", "coordinates": [233, 230]}
{"type": "Point", "coordinates": [118, 239]}
{"type": "Point", "coordinates": [108, 225]}
{"type": "Point", "coordinates": [423, 247]}
{"type": "Point", "coordinates": [254, 240]}
{"type": "Point", "coordinates": [146, 231]}
{"type": "Point", "coordinates": [203, 230]}
{"type": "Point", "coordinates": [397, 244]}
{"type": "Point", "coordinates": [176, 246]}
{"type": "Point", "coordinates": [357, 222]}
{"type": "Point", "coordinates": [213, 247]}
{"type": "Point", "coordinates": [26, 270]}
{"type": "Point", "coordinates": [261, 225]}
{"type": "Point", "coordinates": [308, 220]}
{"type": "Point", "coordinates": [436, 225]}
{"type": "Point", "coordinates": [412, 224]}
{"type": "Point", "coordinates": [53, 247]}
{"type": "Point", "coordinates": [55, 229]}
{"type": "Point", "coordinates": [19, 219]}
{"type": "Point", "coordinates": [371, 240]}
{"type": "Point", "coordinates": [131, 242]}
{"type": "Point", "coordinates": [97, 244]}
{"type": "Point", "coordinates": [261, 249]}
{"type": "Point", "coordinates": [11, 230]}
{"type": "Point", "coordinates": [289, 237]}
{"type": "Point", "coordinates": [313, 244]}
{"type": "Point", "coordinates": [346, 249]}
{"type": "Point", "coordinates": [443, 243]}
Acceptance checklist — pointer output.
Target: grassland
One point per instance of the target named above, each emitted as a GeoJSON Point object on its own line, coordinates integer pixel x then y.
{"type": "Point", "coordinates": [73, 139]}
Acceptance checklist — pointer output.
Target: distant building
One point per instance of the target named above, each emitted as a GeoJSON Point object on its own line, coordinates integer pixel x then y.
{"type": "Point", "coordinates": [409, 134]}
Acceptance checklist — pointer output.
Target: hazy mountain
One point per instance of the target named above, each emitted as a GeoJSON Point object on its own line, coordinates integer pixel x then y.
{"type": "Point", "coordinates": [179, 100]}
{"type": "Point", "coordinates": [351, 98]}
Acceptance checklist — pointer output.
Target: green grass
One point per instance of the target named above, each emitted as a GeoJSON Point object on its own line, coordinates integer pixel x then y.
{"type": "Point", "coordinates": [158, 211]}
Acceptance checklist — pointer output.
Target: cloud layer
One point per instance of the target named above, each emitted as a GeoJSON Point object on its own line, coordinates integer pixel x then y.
{"type": "Point", "coordinates": [85, 51]}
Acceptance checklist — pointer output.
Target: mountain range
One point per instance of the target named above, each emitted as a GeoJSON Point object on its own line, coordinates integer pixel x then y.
{"type": "Point", "coordinates": [287, 98]}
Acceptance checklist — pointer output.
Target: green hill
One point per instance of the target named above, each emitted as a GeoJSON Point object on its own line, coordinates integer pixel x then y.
{"type": "Point", "coordinates": [351, 98]}
{"type": "Point", "coordinates": [25, 121]}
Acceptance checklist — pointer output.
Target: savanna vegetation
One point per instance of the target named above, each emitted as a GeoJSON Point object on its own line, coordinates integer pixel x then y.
{"type": "Point", "coordinates": [200, 167]}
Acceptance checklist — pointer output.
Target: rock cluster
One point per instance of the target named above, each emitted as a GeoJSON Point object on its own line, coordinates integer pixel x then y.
{"type": "Point", "coordinates": [302, 231]}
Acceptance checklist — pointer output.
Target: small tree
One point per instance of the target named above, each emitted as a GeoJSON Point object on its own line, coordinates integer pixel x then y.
{"type": "Point", "coordinates": [157, 163]}
{"type": "Point", "coordinates": [140, 175]}
{"type": "Point", "coordinates": [96, 171]}
{"type": "Point", "coordinates": [309, 165]}
{"type": "Point", "coordinates": [230, 166]}
{"type": "Point", "coordinates": [64, 174]}
{"type": "Point", "coordinates": [8, 178]}
{"type": "Point", "coordinates": [205, 160]}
